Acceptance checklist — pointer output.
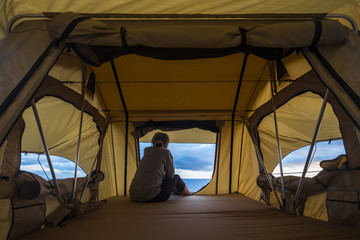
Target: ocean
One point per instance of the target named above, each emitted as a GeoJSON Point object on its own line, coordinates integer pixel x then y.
{"type": "Point", "coordinates": [195, 185]}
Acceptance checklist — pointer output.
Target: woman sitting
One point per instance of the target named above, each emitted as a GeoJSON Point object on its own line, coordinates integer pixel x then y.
{"type": "Point", "coordinates": [154, 180]}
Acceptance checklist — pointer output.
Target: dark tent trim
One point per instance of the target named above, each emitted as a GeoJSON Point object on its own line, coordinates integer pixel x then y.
{"type": "Point", "coordinates": [126, 123]}
{"type": "Point", "coordinates": [149, 126]}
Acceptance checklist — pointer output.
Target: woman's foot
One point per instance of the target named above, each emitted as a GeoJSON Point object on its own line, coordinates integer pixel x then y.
{"type": "Point", "coordinates": [186, 192]}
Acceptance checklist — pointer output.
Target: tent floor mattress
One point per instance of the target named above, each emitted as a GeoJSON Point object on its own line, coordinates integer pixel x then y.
{"type": "Point", "coordinates": [231, 216]}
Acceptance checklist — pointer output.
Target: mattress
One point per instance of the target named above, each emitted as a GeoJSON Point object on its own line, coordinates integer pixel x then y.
{"type": "Point", "coordinates": [231, 216]}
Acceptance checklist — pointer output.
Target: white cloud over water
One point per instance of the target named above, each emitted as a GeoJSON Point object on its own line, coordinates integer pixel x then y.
{"type": "Point", "coordinates": [190, 174]}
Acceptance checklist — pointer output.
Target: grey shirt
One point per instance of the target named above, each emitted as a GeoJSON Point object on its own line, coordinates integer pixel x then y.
{"type": "Point", "coordinates": [156, 164]}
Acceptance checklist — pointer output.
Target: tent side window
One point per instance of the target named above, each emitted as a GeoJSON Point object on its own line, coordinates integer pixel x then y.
{"type": "Point", "coordinates": [293, 163]}
{"type": "Point", "coordinates": [60, 122]}
{"type": "Point", "coordinates": [296, 120]}
{"type": "Point", "coordinates": [37, 163]}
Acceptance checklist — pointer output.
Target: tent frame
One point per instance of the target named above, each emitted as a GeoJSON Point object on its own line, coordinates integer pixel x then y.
{"type": "Point", "coordinates": [46, 150]}
{"type": "Point", "coordinates": [79, 136]}
{"type": "Point", "coordinates": [233, 116]}
{"type": "Point", "coordinates": [274, 79]}
{"type": "Point", "coordinates": [309, 156]}
{"type": "Point", "coordinates": [191, 16]}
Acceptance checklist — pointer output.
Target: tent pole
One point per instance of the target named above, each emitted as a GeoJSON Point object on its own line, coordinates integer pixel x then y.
{"type": "Point", "coordinates": [233, 116]}
{"type": "Point", "coordinates": [346, 17]}
{"type": "Point", "coordinates": [46, 150]}
{"type": "Point", "coordinates": [313, 142]}
{"type": "Point", "coordinates": [96, 158]}
{"type": "Point", "coordinates": [126, 123]}
{"type": "Point", "coordinates": [79, 137]}
{"type": "Point", "coordinates": [273, 77]}
{"type": "Point", "coordinates": [113, 152]}
{"type": "Point", "coordinates": [260, 160]}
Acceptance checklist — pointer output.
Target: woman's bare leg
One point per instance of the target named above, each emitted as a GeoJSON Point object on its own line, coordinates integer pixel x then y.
{"type": "Point", "coordinates": [185, 192]}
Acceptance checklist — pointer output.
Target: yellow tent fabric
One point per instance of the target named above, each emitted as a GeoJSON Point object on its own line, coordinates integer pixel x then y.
{"type": "Point", "coordinates": [210, 63]}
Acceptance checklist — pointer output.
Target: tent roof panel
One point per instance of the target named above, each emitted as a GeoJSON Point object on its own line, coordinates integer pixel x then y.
{"type": "Point", "coordinates": [180, 85]}
{"type": "Point", "coordinates": [10, 9]}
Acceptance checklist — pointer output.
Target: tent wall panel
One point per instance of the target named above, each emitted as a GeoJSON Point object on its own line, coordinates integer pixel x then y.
{"type": "Point", "coordinates": [249, 169]}
{"type": "Point", "coordinates": [343, 207]}
{"type": "Point", "coordinates": [41, 47]}
{"type": "Point", "coordinates": [224, 159]}
{"type": "Point", "coordinates": [10, 163]}
{"type": "Point", "coordinates": [315, 207]}
{"type": "Point", "coordinates": [28, 215]}
{"type": "Point", "coordinates": [333, 75]}
{"type": "Point", "coordinates": [236, 157]}
{"type": "Point", "coordinates": [212, 186]}
{"type": "Point", "coordinates": [71, 71]}
{"type": "Point", "coordinates": [107, 187]}
{"type": "Point", "coordinates": [119, 150]}
{"type": "Point", "coordinates": [5, 217]}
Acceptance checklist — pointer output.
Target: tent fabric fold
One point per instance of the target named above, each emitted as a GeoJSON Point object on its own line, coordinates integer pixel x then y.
{"type": "Point", "coordinates": [281, 35]}
{"type": "Point", "coordinates": [143, 128]}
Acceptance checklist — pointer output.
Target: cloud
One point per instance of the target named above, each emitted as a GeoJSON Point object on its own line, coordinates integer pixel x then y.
{"type": "Point", "coordinates": [190, 174]}
{"type": "Point", "coordinates": [297, 169]}
{"type": "Point", "coordinates": [63, 168]}
{"type": "Point", "coordinates": [187, 156]}
{"type": "Point", "coordinates": [323, 151]}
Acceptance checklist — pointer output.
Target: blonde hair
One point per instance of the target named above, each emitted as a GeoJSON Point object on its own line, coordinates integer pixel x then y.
{"type": "Point", "coordinates": [160, 139]}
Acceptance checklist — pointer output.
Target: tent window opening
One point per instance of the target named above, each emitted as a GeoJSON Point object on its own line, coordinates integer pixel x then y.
{"type": "Point", "coordinates": [293, 163]}
{"type": "Point", "coordinates": [193, 155]}
{"type": "Point", "coordinates": [297, 120]}
{"type": "Point", "coordinates": [37, 164]}
{"type": "Point", "coordinates": [60, 121]}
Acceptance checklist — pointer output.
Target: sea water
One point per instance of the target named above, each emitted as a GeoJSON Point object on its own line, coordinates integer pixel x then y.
{"type": "Point", "coordinates": [195, 185]}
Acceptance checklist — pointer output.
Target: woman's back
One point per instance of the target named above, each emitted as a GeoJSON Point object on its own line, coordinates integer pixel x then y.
{"type": "Point", "coordinates": [156, 164]}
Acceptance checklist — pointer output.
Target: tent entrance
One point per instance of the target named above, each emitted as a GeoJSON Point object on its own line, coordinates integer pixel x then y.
{"type": "Point", "coordinates": [193, 150]}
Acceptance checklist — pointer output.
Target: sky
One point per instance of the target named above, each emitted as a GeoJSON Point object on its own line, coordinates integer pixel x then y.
{"type": "Point", "coordinates": [294, 162]}
{"type": "Point", "coordinates": [63, 167]}
{"type": "Point", "coordinates": [194, 161]}
{"type": "Point", "coordinates": [191, 160]}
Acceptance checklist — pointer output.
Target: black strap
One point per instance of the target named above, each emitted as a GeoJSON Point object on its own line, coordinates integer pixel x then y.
{"type": "Point", "coordinates": [71, 27]}
{"type": "Point", "coordinates": [317, 34]}
{"type": "Point", "coordinates": [123, 36]}
{"type": "Point", "coordinates": [243, 32]}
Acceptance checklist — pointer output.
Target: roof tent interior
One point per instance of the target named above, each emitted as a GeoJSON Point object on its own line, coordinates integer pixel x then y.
{"type": "Point", "coordinates": [259, 82]}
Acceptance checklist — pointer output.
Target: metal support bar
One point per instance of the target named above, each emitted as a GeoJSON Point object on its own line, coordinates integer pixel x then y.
{"type": "Point", "coordinates": [260, 160]}
{"type": "Point", "coordinates": [306, 166]}
{"type": "Point", "coordinates": [346, 17]}
{"type": "Point", "coordinates": [46, 150]}
{"type": "Point", "coordinates": [233, 116]}
{"type": "Point", "coordinates": [96, 158]}
{"type": "Point", "coordinates": [79, 136]}
{"type": "Point", "coordinates": [126, 123]}
{"type": "Point", "coordinates": [273, 76]}
{"type": "Point", "coordinates": [113, 151]}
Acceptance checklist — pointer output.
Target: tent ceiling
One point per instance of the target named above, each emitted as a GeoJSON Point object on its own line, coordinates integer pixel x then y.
{"type": "Point", "coordinates": [201, 85]}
